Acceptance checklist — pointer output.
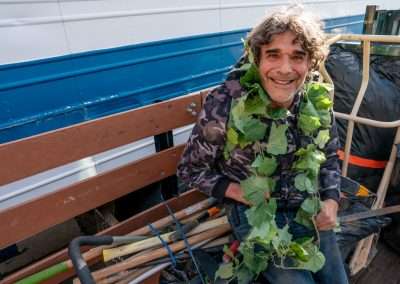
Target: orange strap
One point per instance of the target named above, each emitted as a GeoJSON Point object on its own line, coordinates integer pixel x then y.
{"type": "Point", "coordinates": [362, 162]}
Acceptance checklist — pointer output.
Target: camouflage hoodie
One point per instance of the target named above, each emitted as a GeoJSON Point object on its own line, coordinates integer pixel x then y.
{"type": "Point", "coordinates": [203, 164]}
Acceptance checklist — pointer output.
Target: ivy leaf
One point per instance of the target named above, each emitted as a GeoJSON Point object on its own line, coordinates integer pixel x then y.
{"type": "Point", "coordinates": [323, 102]}
{"type": "Point", "coordinates": [262, 94]}
{"type": "Point", "coordinates": [244, 67]}
{"type": "Point", "coordinates": [250, 76]}
{"type": "Point", "coordinates": [261, 233]}
{"type": "Point", "coordinates": [311, 205]}
{"type": "Point", "coordinates": [253, 129]}
{"type": "Point", "coordinates": [308, 124]}
{"type": "Point", "coordinates": [303, 183]}
{"type": "Point", "coordinates": [265, 166]}
{"type": "Point", "coordinates": [225, 271]}
{"type": "Point", "coordinates": [316, 259]}
{"type": "Point", "coordinates": [308, 209]}
{"type": "Point", "coordinates": [255, 105]}
{"type": "Point", "coordinates": [243, 142]}
{"type": "Point", "coordinates": [244, 275]}
{"type": "Point", "coordinates": [261, 213]}
{"type": "Point", "coordinates": [322, 138]}
{"type": "Point", "coordinates": [228, 149]}
{"type": "Point", "coordinates": [255, 188]}
{"type": "Point", "coordinates": [299, 251]}
{"type": "Point", "coordinates": [325, 118]}
{"type": "Point", "coordinates": [309, 160]}
{"type": "Point", "coordinates": [277, 141]}
{"type": "Point", "coordinates": [316, 90]}
{"type": "Point", "coordinates": [284, 236]}
{"type": "Point", "coordinates": [255, 261]}
{"type": "Point", "coordinates": [308, 108]}
{"type": "Point", "coordinates": [238, 113]}
{"type": "Point", "coordinates": [318, 93]}
{"type": "Point", "coordinates": [277, 113]}
{"type": "Point", "coordinates": [304, 219]}
{"type": "Point", "coordinates": [283, 239]}
{"type": "Point", "coordinates": [232, 136]}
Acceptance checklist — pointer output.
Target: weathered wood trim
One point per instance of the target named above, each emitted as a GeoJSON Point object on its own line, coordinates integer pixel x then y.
{"type": "Point", "coordinates": [32, 155]}
{"type": "Point", "coordinates": [153, 214]}
{"type": "Point", "coordinates": [34, 216]}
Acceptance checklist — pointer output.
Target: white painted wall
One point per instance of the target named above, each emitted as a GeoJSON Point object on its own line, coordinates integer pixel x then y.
{"type": "Point", "coordinates": [33, 29]}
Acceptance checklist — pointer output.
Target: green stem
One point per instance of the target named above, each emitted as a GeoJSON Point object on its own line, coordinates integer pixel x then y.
{"type": "Point", "coordinates": [45, 274]}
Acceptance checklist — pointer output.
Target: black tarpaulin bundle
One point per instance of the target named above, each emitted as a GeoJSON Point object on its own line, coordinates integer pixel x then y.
{"type": "Point", "coordinates": [381, 102]}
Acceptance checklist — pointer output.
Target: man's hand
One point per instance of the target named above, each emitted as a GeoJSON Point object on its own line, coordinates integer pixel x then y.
{"type": "Point", "coordinates": [327, 217]}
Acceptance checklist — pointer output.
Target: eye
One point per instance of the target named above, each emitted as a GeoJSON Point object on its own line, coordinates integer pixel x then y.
{"type": "Point", "coordinates": [298, 57]}
{"type": "Point", "coordinates": [272, 55]}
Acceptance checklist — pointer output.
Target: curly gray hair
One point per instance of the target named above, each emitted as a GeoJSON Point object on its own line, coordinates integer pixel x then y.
{"type": "Point", "coordinates": [306, 26]}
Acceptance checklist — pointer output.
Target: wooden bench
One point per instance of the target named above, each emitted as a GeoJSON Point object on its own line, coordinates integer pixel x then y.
{"type": "Point", "coordinates": [36, 154]}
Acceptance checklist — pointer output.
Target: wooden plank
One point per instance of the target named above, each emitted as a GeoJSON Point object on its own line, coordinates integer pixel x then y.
{"type": "Point", "coordinates": [31, 217]}
{"type": "Point", "coordinates": [32, 155]}
{"type": "Point", "coordinates": [131, 224]}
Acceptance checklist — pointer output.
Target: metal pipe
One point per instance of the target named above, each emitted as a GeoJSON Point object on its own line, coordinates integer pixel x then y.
{"type": "Point", "coordinates": [353, 37]}
{"type": "Point", "coordinates": [367, 121]}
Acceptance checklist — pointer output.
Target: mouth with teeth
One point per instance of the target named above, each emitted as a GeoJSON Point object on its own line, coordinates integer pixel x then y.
{"type": "Point", "coordinates": [282, 82]}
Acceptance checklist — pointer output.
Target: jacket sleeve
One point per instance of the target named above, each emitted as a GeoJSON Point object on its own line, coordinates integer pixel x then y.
{"type": "Point", "coordinates": [199, 163]}
{"type": "Point", "coordinates": [330, 170]}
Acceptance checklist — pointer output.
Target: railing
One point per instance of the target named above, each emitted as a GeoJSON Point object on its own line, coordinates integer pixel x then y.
{"type": "Point", "coordinates": [360, 257]}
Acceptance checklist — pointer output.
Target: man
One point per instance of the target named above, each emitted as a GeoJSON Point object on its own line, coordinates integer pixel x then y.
{"type": "Point", "coordinates": [285, 48]}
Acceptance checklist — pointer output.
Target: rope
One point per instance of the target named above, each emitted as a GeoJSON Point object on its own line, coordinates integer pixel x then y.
{"type": "Point", "coordinates": [183, 237]}
{"type": "Point", "coordinates": [155, 232]}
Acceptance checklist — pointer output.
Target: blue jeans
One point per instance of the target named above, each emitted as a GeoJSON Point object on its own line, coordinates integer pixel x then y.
{"type": "Point", "coordinates": [333, 271]}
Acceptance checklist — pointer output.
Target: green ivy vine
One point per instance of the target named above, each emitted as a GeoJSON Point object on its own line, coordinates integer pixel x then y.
{"type": "Point", "coordinates": [266, 243]}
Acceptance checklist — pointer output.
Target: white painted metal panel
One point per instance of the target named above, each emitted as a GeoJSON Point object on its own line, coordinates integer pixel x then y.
{"type": "Point", "coordinates": [181, 135]}
{"type": "Point", "coordinates": [16, 11]}
{"type": "Point", "coordinates": [137, 25]}
{"type": "Point", "coordinates": [51, 28]}
{"type": "Point", "coordinates": [22, 39]}
{"type": "Point", "coordinates": [30, 42]}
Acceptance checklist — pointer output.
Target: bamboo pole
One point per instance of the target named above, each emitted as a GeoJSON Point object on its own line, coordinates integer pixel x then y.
{"type": "Point", "coordinates": [161, 252]}
{"type": "Point", "coordinates": [146, 275]}
{"type": "Point", "coordinates": [93, 253]}
{"type": "Point", "coordinates": [77, 281]}
{"type": "Point", "coordinates": [157, 268]}
{"type": "Point", "coordinates": [112, 253]}
{"type": "Point", "coordinates": [123, 276]}
{"type": "Point", "coordinates": [163, 222]}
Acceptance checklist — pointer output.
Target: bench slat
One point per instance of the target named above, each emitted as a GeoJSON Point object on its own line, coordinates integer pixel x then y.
{"type": "Point", "coordinates": [36, 154]}
{"type": "Point", "coordinates": [34, 216]}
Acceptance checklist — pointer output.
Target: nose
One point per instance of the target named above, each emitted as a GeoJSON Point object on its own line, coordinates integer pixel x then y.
{"type": "Point", "coordinates": [285, 66]}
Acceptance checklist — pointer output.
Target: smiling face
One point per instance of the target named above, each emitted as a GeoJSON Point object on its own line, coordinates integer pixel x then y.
{"type": "Point", "coordinates": [283, 67]}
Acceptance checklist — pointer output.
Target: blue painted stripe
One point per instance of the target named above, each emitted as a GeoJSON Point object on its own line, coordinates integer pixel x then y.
{"type": "Point", "coordinates": [106, 67]}
{"type": "Point", "coordinates": [46, 94]}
